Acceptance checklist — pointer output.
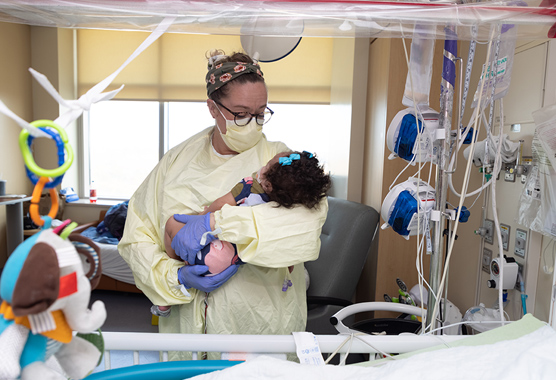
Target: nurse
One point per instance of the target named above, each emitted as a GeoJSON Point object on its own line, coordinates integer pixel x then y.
{"type": "Point", "coordinates": [246, 299]}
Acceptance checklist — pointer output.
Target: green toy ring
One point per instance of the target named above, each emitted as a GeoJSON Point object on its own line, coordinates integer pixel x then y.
{"type": "Point", "coordinates": [28, 156]}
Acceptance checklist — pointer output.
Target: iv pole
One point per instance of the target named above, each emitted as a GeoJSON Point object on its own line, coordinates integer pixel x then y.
{"type": "Point", "coordinates": [443, 158]}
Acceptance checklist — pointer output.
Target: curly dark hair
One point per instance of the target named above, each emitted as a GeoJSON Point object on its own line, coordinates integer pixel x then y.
{"type": "Point", "coordinates": [223, 91]}
{"type": "Point", "coordinates": [303, 182]}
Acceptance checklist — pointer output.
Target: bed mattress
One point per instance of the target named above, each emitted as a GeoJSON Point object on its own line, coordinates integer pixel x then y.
{"type": "Point", "coordinates": [113, 265]}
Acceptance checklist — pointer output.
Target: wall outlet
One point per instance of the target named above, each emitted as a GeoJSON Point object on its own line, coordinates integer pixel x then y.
{"type": "Point", "coordinates": [487, 258]}
{"type": "Point", "coordinates": [489, 228]}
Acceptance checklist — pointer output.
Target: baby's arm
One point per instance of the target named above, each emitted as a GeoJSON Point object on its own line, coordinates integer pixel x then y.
{"type": "Point", "coordinates": [218, 203]}
{"type": "Point", "coordinates": [170, 230]}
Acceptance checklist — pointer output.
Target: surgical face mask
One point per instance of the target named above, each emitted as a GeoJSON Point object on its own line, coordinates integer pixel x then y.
{"type": "Point", "coordinates": [239, 139]}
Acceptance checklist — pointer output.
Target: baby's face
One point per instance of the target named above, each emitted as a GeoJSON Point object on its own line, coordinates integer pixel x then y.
{"type": "Point", "coordinates": [267, 187]}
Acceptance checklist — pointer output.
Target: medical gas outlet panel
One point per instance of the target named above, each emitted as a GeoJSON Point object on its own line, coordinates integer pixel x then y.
{"type": "Point", "coordinates": [490, 254]}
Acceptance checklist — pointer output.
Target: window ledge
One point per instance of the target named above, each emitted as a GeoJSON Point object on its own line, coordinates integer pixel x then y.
{"type": "Point", "coordinates": [84, 202]}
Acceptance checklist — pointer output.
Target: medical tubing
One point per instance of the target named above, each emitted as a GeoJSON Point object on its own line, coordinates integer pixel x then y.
{"type": "Point", "coordinates": [494, 81]}
{"type": "Point", "coordinates": [546, 269]}
{"type": "Point", "coordinates": [481, 248]}
{"type": "Point", "coordinates": [496, 167]}
{"type": "Point", "coordinates": [443, 156]}
{"type": "Point", "coordinates": [489, 182]}
{"type": "Point", "coordinates": [386, 355]}
{"type": "Point", "coordinates": [462, 198]}
{"type": "Point", "coordinates": [552, 296]}
{"type": "Point", "coordinates": [523, 295]}
{"type": "Point", "coordinates": [460, 113]}
{"type": "Point", "coordinates": [420, 167]}
{"type": "Point", "coordinates": [497, 223]}
{"type": "Point", "coordinates": [468, 70]}
{"type": "Point", "coordinates": [331, 356]}
{"type": "Point", "coordinates": [450, 182]}
{"type": "Point", "coordinates": [343, 361]}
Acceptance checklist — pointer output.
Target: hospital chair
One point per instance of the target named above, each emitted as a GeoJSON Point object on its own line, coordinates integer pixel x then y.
{"type": "Point", "coordinates": [349, 238]}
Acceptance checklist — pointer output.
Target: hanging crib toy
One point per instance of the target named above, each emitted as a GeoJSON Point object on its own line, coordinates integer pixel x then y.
{"type": "Point", "coordinates": [41, 177]}
{"type": "Point", "coordinates": [45, 288]}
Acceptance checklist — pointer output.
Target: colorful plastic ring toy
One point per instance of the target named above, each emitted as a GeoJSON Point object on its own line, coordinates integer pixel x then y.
{"type": "Point", "coordinates": [35, 199]}
{"type": "Point", "coordinates": [28, 156]}
{"type": "Point", "coordinates": [61, 156]}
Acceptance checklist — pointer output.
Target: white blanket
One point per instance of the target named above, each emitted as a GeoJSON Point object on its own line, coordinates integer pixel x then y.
{"type": "Point", "coordinates": [532, 356]}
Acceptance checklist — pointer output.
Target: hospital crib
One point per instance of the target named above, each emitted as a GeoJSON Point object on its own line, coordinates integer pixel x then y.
{"type": "Point", "coordinates": [521, 347]}
{"type": "Point", "coordinates": [235, 349]}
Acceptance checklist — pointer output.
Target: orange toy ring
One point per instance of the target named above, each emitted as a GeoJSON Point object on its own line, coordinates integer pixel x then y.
{"type": "Point", "coordinates": [35, 199]}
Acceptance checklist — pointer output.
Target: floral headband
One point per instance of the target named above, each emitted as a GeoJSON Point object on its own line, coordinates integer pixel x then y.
{"type": "Point", "coordinates": [221, 73]}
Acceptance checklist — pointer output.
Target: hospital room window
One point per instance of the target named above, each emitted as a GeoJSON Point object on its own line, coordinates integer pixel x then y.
{"type": "Point", "coordinates": [124, 140]}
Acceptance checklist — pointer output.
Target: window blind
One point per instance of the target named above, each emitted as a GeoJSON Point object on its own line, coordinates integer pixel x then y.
{"type": "Point", "coordinates": [173, 68]}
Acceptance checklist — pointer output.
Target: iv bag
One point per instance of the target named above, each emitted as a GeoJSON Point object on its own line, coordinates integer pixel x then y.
{"type": "Point", "coordinates": [537, 203]}
{"type": "Point", "coordinates": [503, 66]}
{"type": "Point", "coordinates": [418, 80]}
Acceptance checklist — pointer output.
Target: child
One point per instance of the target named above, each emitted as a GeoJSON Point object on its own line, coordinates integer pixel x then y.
{"type": "Point", "coordinates": [289, 178]}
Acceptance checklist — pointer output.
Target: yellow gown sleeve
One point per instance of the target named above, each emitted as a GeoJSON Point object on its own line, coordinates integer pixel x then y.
{"type": "Point", "coordinates": [270, 236]}
{"type": "Point", "coordinates": [142, 245]}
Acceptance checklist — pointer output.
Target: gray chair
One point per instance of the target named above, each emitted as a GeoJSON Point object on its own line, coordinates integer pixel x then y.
{"type": "Point", "coordinates": [349, 238]}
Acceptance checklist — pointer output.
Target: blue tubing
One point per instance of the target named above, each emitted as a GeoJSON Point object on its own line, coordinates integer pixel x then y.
{"type": "Point", "coordinates": [175, 370]}
{"type": "Point", "coordinates": [524, 303]}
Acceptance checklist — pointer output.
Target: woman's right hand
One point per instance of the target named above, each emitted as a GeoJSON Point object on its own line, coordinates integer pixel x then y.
{"type": "Point", "coordinates": [187, 241]}
{"type": "Point", "coordinates": [192, 276]}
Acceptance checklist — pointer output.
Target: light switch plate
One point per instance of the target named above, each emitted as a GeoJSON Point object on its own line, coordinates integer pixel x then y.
{"type": "Point", "coordinates": [520, 243]}
{"type": "Point", "coordinates": [505, 232]}
{"type": "Point", "coordinates": [489, 226]}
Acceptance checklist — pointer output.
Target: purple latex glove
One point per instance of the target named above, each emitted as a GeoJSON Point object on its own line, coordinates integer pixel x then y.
{"type": "Point", "coordinates": [192, 277]}
{"type": "Point", "coordinates": [187, 241]}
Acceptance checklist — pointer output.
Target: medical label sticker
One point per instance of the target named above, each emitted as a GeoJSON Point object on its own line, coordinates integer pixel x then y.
{"type": "Point", "coordinates": [423, 148]}
{"type": "Point", "coordinates": [533, 186]}
{"type": "Point", "coordinates": [500, 68]}
{"type": "Point", "coordinates": [308, 350]}
{"type": "Point", "coordinates": [419, 220]}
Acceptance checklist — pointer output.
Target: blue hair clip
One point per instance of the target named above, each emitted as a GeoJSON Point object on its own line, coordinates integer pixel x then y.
{"type": "Point", "coordinates": [288, 160]}
{"type": "Point", "coordinates": [309, 155]}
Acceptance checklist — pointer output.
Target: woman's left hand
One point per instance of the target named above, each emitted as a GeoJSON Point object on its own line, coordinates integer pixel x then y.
{"type": "Point", "coordinates": [192, 276]}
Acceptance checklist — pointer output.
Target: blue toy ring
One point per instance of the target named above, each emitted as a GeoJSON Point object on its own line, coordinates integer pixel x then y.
{"type": "Point", "coordinates": [60, 138]}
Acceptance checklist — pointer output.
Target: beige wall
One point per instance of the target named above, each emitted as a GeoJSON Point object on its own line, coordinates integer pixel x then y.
{"type": "Point", "coordinates": [15, 92]}
{"type": "Point", "coordinates": [47, 50]}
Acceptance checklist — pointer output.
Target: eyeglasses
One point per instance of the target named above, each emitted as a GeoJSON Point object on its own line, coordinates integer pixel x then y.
{"type": "Point", "coordinates": [243, 118]}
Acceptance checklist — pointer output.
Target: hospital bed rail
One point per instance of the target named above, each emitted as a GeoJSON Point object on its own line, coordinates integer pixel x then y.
{"type": "Point", "coordinates": [234, 346]}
